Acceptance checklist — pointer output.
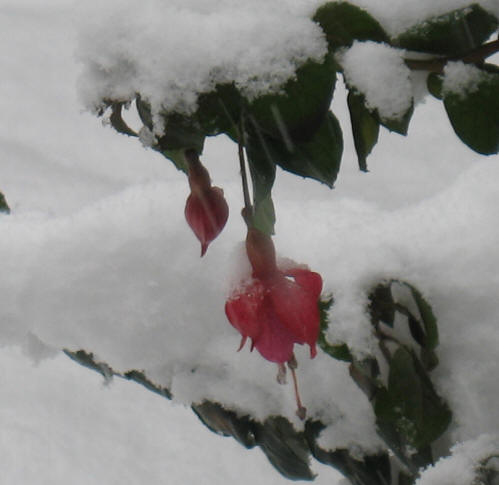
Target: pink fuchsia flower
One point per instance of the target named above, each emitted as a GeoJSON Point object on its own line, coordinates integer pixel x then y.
{"type": "Point", "coordinates": [278, 307]}
{"type": "Point", "coordinates": [206, 210]}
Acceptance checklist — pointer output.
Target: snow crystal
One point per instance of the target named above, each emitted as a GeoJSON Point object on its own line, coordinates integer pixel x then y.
{"type": "Point", "coordinates": [379, 73]}
{"type": "Point", "coordinates": [462, 466]}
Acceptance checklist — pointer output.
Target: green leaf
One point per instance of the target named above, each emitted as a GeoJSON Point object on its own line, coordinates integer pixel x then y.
{"type": "Point", "coordinates": [365, 127]}
{"type": "Point", "coordinates": [262, 170]}
{"type": "Point", "coordinates": [410, 407]}
{"type": "Point", "coordinates": [452, 34]}
{"type": "Point", "coordinates": [295, 114]}
{"type": "Point", "coordinates": [434, 83]}
{"type": "Point", "coordinates": [264, 215]}
{"type": "Point", "coordinates": [175, 156]}
{"type": "Point", "coordinates": [219, 111]}
{"type": "Point", "coordinates": [181, 133]}
{"type": "Point", "coordinates": [337, 351]}
{"type": "Point", "coordinates": [117, 121]}
{"type": "Point", "coordinates": [475, 115]}
{"type": "Point", "coordinates": [4, 207]}
{"type": "Point", "coordinates": [381, 305]}
{"type": "Point", "coordinates": [285, 448]}
{"type": "Point", "coordinates": [428, 318]}
{"type": "Point", "coordinates": [343, 23]}
{"type": "Point", "coordinates": [225, 422]}
{"type": "Point", "coordinates": [398, 125]}
{"type": "Point", "coordinates": [318, 158]}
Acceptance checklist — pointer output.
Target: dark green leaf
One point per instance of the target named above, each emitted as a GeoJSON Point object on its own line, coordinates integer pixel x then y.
{"type": "Point", "coordinates": [474, 115]}
{"type": "Point", "coordinates": [416, 330]}
{"type": "Point", "coordinates": [405, 479]}
{"type": "Point", "coordinates": [365, 374]}
{"type": "Point", "coordinates": [365, 127]}
{"type": "Point", "coordinates": [4, 207]}
{"type": "Point", "coordinates": [140, 378]}
{"type": "Point", "coordinates": [381, 305]}
{"type": "Point", "coordinates": [226, 422]}
{"type": "Point", "coordinates": [285, 448]}
{"type": "Point", "coordinates": [318, 158]}
{"type": "Point", "coordinates": [181, 133]}
{"type": "Point", "coordinates": [368, 470]}
{"type": "Point", "coordinates": [398, 125]}
{"type": "Point", "coordinates": [87, 359]}
{"type": "Point", "coordinates": [144, 111]}
{"type": "Point", "coordinates": [219, 111]}
{"type": "Point", "coordinates": [452, 34]}
{"type": "Point", "coordinates": [175, 156]}
{"type": "Point", "coordinates": [294, 115]}
{"type": "Point", "coordinates": [410, 406]}
{"type": "Point", "coordinates": [429, 359]}
{"type": "Point", "coordinates": [434, 82]}
{"type": "Point", "coordinates": [117, 122]}
{"type": "Point", "coordinates": [343, 23]}
{"type": "Point", "coordinates": [428, 318]}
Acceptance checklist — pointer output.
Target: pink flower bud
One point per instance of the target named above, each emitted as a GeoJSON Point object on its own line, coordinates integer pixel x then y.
{"type": "Point", "coordinates": [206, 210]}
{"type": "Point", "coordinates": [277, 308]}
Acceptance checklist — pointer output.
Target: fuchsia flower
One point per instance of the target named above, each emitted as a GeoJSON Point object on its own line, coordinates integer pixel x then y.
{"type": "Point", "coordinates": [206, 210]}
{"type": "Point", "coordinates": [277, 308]}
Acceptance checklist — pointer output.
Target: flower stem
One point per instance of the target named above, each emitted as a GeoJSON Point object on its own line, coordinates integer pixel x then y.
{"type": "Point", "coordinates": [248, 208]}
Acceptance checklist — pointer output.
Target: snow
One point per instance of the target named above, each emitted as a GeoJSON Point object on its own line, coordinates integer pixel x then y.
{"type": "Point", "coordinates": [127, 50]}
{"type": "Point", "coordinates": [96, 253]}
{"type": "Point", "coordinates": [462, 467]}
{"type": "Point", "coordinates": [379, 73]}
{"type": "Point", "coordinates": [461, 79]}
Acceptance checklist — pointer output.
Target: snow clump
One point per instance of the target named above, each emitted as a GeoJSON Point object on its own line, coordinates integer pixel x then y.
{"type": "Point", "coordinates": [379, 73]}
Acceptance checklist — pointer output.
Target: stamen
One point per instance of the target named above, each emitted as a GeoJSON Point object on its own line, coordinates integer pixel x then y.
{"type": "Point", "coordinates": [301, 412]}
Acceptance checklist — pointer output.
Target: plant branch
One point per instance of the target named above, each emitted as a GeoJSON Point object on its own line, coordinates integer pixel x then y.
{"type": "Point", "coordinates": [437, 65]}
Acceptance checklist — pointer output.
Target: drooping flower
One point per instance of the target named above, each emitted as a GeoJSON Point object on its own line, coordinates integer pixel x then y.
{"type": "Point", "coordinates": [277, 308]}
{"type": "Point", "coordinates": [206, 210]}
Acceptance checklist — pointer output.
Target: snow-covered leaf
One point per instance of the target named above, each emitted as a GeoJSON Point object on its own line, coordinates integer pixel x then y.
{"type": "Point", "coordinates": [474, 113]}
{"type": "Point", "coordinates": [451, 34]}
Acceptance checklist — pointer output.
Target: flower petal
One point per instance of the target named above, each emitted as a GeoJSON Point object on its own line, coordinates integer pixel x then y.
{"type": "Point", "coordinates": [275, 342]}
{"type": "Point", "coordinates": [308, 280]}
{"type": "Point", "coordinates": [206, 213]}
{"type": "Point", "coordinates": [297, 309]}
{"type": "Point", "coordinates": [243, 309]}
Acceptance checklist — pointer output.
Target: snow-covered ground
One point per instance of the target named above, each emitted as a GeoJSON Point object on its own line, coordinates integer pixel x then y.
{"type": "Point", "coordinates": [96, 255]}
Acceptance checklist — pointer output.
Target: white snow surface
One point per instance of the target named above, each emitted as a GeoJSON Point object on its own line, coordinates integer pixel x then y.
{"type": "Point", "coordinates": [463, 466]}
{"type": "Point", "coordinates": [96, 253]}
